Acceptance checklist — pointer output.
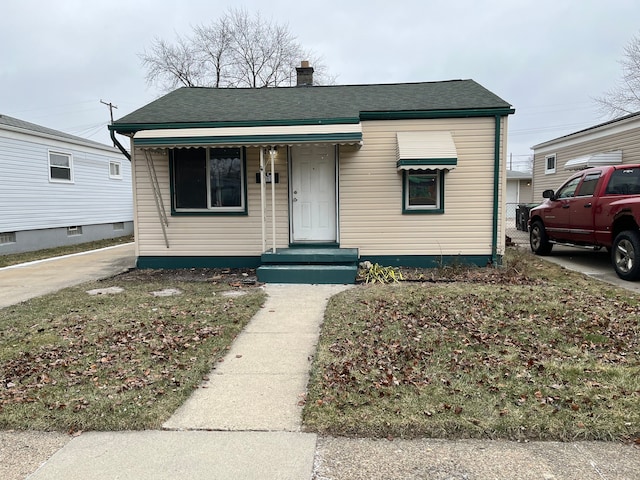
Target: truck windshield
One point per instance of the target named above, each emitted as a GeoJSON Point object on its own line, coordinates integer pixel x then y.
{"type": "Point", "coordinates": [625, 181]}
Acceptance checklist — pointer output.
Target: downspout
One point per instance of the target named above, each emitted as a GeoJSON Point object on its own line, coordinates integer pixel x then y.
{"type": "Point", "coordinates": [496, 196]}
{"type": "Point", "coordinates": [119, 145]}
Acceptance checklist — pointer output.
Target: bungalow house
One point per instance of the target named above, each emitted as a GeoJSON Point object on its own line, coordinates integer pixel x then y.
{"type": "Point", "coordinates": [304, 182]}
{"type": "Point", "coordinates": [609, 143]}
{"type": "Point", "coordinates": [57, 189]}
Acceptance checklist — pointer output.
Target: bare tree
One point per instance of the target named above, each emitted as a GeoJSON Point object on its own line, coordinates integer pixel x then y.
{"type": "Point", "coordinates": [624, 98]}
{"type": "Point", "coordinates": [212, 44]}
{"type": "Point", "coordinates": [236, 50]}
{"type": "Point", "coordinates": [172, 65]}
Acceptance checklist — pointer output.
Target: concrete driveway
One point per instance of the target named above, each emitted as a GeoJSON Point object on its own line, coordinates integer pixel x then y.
{"type": "Point", "coordinates": [591, 263]}
{"type": "Point", "coordinates": [22, 282]}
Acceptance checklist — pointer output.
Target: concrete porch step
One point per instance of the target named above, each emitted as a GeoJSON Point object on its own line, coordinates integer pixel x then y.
{"type": "Point", "coordinates": [319, 274]}
{"type": "Point", "coordinates": [311, 255]}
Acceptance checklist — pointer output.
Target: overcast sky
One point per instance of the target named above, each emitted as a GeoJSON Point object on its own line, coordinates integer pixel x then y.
{"type": "Point", "coordinates": [548, 58]}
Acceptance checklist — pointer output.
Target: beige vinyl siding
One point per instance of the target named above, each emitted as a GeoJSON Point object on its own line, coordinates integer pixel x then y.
{"type": "Point", "coordinates": [628, 141]}
{"type": "Point", "coordinates": [370, 203]}
{"type": "Point", "coordinates": [207, 235]}
{"type": "Point", "coordinates": [371, 217]}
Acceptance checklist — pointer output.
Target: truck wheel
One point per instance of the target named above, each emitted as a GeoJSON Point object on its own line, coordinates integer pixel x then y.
{"type": "Point", "coordinates": [538, 239]}
{"type": "Point", "coordinates": [625, 255]}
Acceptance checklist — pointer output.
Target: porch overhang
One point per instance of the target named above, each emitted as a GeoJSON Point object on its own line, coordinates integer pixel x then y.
{"type": "Point", "coordinates": [596, 160]}
{"type": "Point", "coordinates": [259, 136]}
{"type": "Point", "coordinates": [426, 151]}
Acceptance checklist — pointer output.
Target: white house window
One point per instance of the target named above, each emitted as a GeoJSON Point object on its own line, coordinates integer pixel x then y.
{"type": "Point", "coordinates": [209, 180]}
{"type": "Point", "coordinates": [423, 191]}
{"type": "Point", "coordinates": [550, 164]}
{"type": "Point", "coordinates": [114, 170]}
{"type": "Point", "coordinates": [60, 167]}
{"type": "Point", "coordinates": [74, 231]}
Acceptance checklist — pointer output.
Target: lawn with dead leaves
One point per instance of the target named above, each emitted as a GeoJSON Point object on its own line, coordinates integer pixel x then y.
{"type": "Point", "coordinates": [72, 361]}
{"type": "Point", "coordinates": [536, 353]}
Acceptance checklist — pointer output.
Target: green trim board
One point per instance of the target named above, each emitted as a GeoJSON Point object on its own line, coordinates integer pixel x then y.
{"type": "Point", "coordinates": [496, 189]}
{"type": "Point", "coordinates": [416, 261]}
{"type": "Point", "coordinates": [417, 162]}
{"type": "Point", "coordinates": [172, 262]}
{"type": "Point", "coordinates": [314, 245]}
{"type": "Point", "coordinates": [125, 128]}
{"type": "Point", "coordinates": [430, 261]}
{"type": "Point", "coordinates": [424, 114]}
{"type": "Point", "coordinates": [248, 139]}
{"type": "Point", "coordinates": [136, 127]}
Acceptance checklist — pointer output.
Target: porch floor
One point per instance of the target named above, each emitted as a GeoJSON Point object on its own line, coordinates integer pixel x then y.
{"type": "Point", "coordinates": [326, 265]}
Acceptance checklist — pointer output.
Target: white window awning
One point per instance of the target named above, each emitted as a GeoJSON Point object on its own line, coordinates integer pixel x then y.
{"type": "Point", "coordinates": [596, 160]}
{"type": "Point", "coordinates": [426, 151]}
{"type": "Point", "coordinates": [339, 133]}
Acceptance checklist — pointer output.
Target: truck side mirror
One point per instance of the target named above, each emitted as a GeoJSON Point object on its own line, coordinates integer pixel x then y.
{"type": "Point", "coordinates": [549, 194]}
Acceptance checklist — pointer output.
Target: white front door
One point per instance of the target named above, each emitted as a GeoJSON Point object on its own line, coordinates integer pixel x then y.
{"type": "Point", "coordinates": [313, 193]}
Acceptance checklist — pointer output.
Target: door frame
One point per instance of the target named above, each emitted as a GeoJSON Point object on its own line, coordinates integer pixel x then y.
{"type": "Point", "coordinates": [290, 160]}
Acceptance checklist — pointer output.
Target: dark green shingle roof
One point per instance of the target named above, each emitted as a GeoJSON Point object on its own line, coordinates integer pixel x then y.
{"type": "Point", "coordinates": [308, 104]}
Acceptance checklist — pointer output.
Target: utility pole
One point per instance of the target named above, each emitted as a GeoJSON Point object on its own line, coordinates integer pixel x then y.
{"type": "Point", "coordinates": [111, 107]}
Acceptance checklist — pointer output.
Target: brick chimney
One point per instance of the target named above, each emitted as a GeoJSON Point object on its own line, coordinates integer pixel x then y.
{"type": "Point", "coordinates": [305, 74]}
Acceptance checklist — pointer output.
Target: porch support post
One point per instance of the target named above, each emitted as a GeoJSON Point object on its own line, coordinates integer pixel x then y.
{"type": "Point", "coordinates": [262, 199]}
{"type": "Point", "coordinates": [272, 154]}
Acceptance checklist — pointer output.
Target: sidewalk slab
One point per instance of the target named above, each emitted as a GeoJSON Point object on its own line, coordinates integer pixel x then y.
{"type": "Point", "coordinates": [155, 455]}
{"type": "Point", "coordinates": [255, 402]}
{"type": "Point", "coordinates": [368, 459]}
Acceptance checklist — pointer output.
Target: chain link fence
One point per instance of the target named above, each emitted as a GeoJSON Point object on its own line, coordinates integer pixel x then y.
{"type": "Point", "coordinates": [517, 216]}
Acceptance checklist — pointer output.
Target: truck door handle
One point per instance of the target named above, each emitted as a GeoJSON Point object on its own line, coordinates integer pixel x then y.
{"type": "Point", "coordinates": [565, 205]}
{"type": "Point", "coordinates": [587, 205]}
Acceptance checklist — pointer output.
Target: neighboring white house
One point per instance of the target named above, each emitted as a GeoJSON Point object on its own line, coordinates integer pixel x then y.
{"type": "Point", "coordinates": [58, 189]}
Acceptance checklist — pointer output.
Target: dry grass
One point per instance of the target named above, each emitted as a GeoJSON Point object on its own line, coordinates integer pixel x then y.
{"type": "Point", "coordinates": [71, 361]}
{"type": "Point", "coordinates": [530, 352]}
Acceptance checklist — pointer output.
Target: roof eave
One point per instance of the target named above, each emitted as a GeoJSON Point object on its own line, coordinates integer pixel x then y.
{"type": "Point", "coordinates": [423, 114]}
{"type": "Point", "coordinates": [126, 128]}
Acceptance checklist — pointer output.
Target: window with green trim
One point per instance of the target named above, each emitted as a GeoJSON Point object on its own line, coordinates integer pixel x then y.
{"type": "Point", "coordinates": [423, 191]}
{"type": "Point", "coordinates": [209, 180]}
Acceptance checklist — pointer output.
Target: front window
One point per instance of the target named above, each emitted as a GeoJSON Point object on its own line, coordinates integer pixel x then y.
{"type": "Point", "coordinates": [209, 180]}
{"type": "Point", "coordinates": [550, 164]}
{"type": "Point", "coordinates": [60, 167]}
{"type": "Point", "coordinates": [423, 191]}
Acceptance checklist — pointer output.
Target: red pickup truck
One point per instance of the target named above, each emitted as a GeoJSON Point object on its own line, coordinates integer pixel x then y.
{"type": "Point", "coordinates": [597, 207]}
